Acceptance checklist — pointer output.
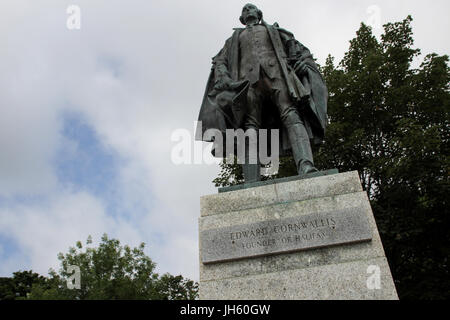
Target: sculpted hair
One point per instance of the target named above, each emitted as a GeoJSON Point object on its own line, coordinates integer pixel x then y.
{"type": "Point", "coordinates": [260, 15]}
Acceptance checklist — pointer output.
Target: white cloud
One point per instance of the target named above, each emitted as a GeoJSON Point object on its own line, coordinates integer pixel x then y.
{"type": "Point", "coordinates": [43, 230]}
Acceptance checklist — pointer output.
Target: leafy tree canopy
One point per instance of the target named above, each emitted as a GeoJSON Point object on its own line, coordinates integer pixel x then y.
{"type": "Point", "coordinates": [107, 272]}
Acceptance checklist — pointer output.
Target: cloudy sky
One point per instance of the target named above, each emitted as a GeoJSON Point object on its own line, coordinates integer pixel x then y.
{"type": "Point", "coordinates": [87, 115]}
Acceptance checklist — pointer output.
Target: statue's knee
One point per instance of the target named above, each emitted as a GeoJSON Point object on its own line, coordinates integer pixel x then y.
{"type": "Point", "coordinates": [291, 117]}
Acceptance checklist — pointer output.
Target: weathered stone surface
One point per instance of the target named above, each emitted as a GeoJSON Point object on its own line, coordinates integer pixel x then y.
{"type": "Point", "coordinates": [314, 230]}
{"type": "Point", "coordinates": [288, 261]}
{"type": "Point", "coordinates": [344, 281]}
{"type": "Point", "coordinates": [279, 180]}
{"type": "Point", "coordinates": [323, 186]}
{"type": "Point", "coordinates": [286, 275]}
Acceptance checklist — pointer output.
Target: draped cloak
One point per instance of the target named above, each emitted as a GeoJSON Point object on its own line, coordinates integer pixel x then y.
{"type": "Point", "coordinates": [226, 109]}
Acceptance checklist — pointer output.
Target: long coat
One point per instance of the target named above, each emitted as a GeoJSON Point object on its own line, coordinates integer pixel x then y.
{"type": "Point", "coordinates": [226, 109]}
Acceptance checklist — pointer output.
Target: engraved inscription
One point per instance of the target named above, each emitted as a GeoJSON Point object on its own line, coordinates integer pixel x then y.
{"type": "Point", "coordinates": [285, 235]}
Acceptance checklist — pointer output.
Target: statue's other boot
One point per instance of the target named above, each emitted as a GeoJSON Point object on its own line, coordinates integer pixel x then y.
{"type": "Point", "coordinates": [251, 170]}
{"type": "Point", "coordinates": [301, 149]}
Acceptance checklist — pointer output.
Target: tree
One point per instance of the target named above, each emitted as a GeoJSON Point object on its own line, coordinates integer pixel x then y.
{"type": "Point", "coordinates": [110, 272]}
{"type": "Point", "coordinates": [390, 122]}
{"type": "Point", "coordinates": [176, 288]}
{"type": "Point", "coordinates": [19, 285]}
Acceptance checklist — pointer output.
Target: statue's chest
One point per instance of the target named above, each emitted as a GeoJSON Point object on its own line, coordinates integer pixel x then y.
{"type": "Point", "coordinates": [254, 38]}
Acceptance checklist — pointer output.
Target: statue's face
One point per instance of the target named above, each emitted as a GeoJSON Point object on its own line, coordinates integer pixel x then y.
{"type": "Point", "coordinates": [249, 10]}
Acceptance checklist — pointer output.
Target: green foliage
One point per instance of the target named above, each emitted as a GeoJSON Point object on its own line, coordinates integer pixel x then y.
{"type": "Point", "coordinates": [20, 285]}
{"type": "Point", "coordinates": [390, 122]}
{"type": "Point", "coordinates": [107, 272]}
{"type": "Point", "coordinates": [176, 288]}
{"type": "Point", "coordinates": [230, 174]}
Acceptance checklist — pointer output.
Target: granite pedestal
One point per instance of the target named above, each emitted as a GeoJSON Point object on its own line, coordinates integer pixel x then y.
{"type": "Point", "coordinates": [312, 239]}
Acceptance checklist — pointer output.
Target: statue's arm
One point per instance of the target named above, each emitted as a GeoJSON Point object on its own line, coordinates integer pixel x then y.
{"type": "Point", "coordinates": [222, 77]}
{"type": "Point", "coordinates": [299, 56]}
{"type": "Point", "coordinates": [291, 46]}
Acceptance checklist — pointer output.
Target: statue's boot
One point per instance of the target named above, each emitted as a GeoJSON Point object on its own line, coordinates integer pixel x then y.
{"type": "Point", "coordinates": [301, 148]}
{"type": "Point", "coordinates": [251, 171]}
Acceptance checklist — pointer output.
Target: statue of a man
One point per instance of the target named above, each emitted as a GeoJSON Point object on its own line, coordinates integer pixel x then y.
{"type": "Point", "coordinates": [265, 79]}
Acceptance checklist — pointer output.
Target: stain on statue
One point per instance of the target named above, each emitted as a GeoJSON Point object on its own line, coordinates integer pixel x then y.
{"type": "Point", "coordinates": [263, 78]}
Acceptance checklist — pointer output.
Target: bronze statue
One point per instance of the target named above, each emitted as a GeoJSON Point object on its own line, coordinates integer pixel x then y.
{"type": "Point", "coordinates": [264, 78]}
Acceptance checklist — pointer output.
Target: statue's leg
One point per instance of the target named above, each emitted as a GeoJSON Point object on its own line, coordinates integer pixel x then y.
{"type": "Point", "coordinates": [298, 136]}
{"type": "Point", "coordinates": [252, 169]}
{"type": "Point", "coordinates": [300, 144]}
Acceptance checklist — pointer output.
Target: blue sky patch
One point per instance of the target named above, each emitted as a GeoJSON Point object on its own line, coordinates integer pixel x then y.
{"type": "Point", "coordinates": [9, 249]}
{"type": "Point", "coordinates": [83, 162]}
{"type": "Point", "coordinates": [113, 64]}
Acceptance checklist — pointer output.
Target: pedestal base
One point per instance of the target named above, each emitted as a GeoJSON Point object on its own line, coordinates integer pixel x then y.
{"type": "Point", "coordinates": [305, 239]}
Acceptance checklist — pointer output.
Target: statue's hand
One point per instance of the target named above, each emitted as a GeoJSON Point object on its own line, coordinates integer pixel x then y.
{"type": "Point", "coordinates": [300, 67]}
{"type": "Point", "coordinates": [223, 84]}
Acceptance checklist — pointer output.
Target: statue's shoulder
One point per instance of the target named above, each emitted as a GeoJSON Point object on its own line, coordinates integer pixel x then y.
{"type": "Point", "coordinates": [229, 40]}
{"type": "Point", "coordinates": [234, 36]}
{"type": "Point", "coordinates": [282, 30]}
{"type": "Point", "coordinates": [236, 32]}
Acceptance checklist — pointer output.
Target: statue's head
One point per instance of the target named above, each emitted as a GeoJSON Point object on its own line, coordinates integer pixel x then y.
{"type": "Point", "coordinates": [249, 13]}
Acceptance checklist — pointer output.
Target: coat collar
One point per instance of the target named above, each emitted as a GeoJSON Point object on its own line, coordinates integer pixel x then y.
{"type": "Point", "coordinates": [263, 23]}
